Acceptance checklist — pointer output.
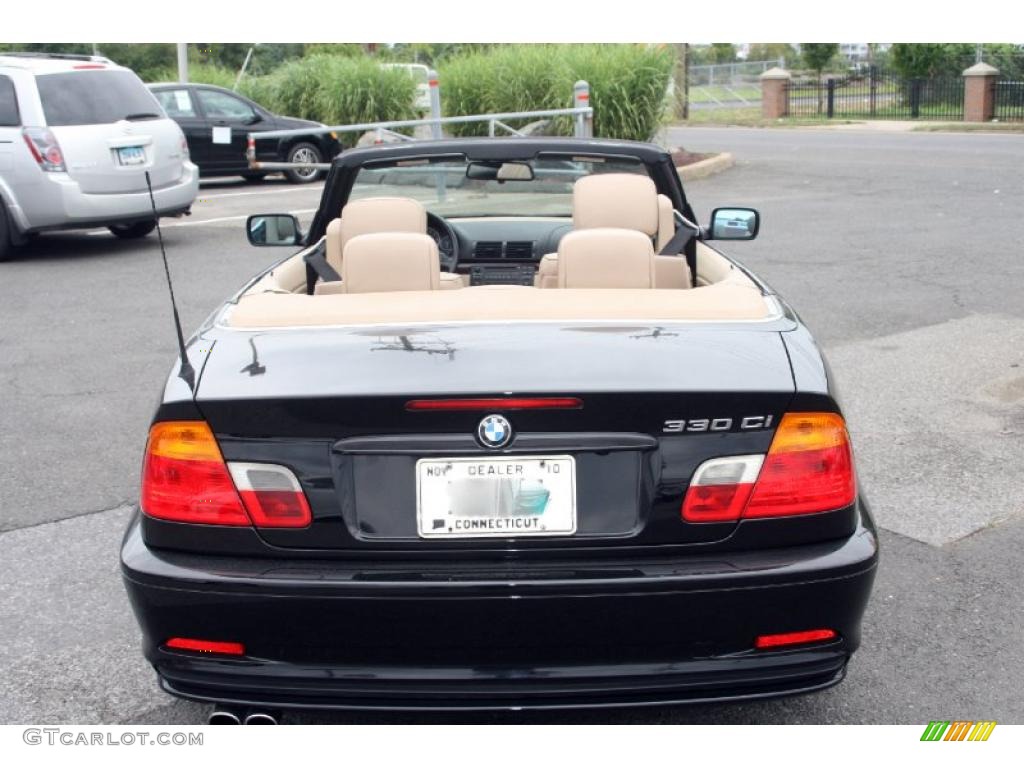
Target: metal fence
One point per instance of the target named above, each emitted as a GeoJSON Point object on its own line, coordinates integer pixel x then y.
{"type": "Point", "coordinates": [738, 84]}
{"type": "Point", "coordinates": [581, 115]}
{"type": "Point", "coordinates": [1009, 100]}
{"type": "Point", "coordinates": [878, 95]}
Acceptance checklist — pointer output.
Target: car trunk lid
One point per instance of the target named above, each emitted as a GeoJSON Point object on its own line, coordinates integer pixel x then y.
{"type": "Point", "coordinates": [334, 405]}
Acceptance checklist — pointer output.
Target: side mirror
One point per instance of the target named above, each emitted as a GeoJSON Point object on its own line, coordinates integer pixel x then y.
{"type": "Point", "coordinates": [273, 229]}
{"type": "Point", "coordinates": [734, 224]}
{"type": "Point", "coordinates": [256, 118]}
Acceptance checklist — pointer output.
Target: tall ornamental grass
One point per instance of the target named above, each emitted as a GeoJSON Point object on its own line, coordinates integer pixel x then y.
{"type": "Point", "coordinates": [628, 84]}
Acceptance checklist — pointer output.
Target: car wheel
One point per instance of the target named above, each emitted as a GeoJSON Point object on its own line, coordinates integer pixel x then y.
{"type": "Point", "coordinates": [133, 231]}
{"type": "Point", "coordinates": [6, 246]}
{"type": "Point", "coordinates": [254, 178]}
{"type": "Point", "coordinates": [303, 152]}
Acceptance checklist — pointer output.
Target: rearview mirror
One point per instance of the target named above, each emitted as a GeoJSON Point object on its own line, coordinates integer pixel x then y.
{"type": "Point", "coordinates": [734, 224]}
{"type": "Point", "coordinates": [496, 171]}
{"type": "Point", "coordinates": [273, 229]}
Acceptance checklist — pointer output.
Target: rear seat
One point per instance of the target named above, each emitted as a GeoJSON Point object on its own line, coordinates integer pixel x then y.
{"type": "Point", "coordinates": [606, 258]}
{"type": "Point", "coordinates": [390, 261]}
{"type": "Point", "coordinates": [623, 201]}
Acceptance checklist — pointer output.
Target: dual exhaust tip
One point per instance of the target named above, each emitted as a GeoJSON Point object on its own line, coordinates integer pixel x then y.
{"type": "Point", "coordinates": [223, 716]}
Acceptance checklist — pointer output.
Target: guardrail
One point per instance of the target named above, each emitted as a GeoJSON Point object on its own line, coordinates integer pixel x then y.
{"type": "Point", "coordinates": [582, 114]}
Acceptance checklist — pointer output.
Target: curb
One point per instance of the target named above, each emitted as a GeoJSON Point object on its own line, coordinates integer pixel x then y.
{"type": "Point", "coordinates": [709, 167]}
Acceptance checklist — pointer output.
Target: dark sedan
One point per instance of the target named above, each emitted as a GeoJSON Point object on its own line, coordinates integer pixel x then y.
{"type": "Point", "coordinates": [508, 431]}
{"type": "Point", "coordinates": [216, 122]}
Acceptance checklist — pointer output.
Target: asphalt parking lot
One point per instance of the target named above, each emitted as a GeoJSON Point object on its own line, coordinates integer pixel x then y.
{"type": "Point", "coordinates": [901, 251]}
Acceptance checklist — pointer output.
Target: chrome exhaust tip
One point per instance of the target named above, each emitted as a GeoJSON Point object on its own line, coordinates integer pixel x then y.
{"type": "Point", "coordinates": [223, 717]}
{"type": "Point", "coordinates": [260, 718]}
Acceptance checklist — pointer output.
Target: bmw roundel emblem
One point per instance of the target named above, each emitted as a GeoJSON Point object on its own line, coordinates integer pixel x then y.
{"type": "Point", "coordinates": [494, 431]}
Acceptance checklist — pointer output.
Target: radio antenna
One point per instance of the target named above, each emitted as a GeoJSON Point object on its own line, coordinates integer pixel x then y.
{"type": "Point", "coordinates": [186, 372]}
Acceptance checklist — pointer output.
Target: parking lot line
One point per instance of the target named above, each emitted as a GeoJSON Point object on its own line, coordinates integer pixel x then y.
{"type": "Point", "coordinates": [200, 222]}
{"type": "Point", "coordinates": [318, 189]}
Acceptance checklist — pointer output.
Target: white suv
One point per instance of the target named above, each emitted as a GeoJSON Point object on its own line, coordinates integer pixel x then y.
{"type": "Point", "coordinates": [77, 134]}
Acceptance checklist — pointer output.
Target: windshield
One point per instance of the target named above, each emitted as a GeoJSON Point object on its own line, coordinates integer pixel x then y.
{"type": "Point", "coordinates": [95, 97]}
{"type": "Point", "coordinates": [444, 185]}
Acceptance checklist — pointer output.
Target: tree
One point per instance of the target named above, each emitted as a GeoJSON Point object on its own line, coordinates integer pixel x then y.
{"type": "Point", "coordinates": [723, 53]}
{"type": "Point", "coordinates": [817, 56]}
{"type": "Point", "coordinates": [771, 51]}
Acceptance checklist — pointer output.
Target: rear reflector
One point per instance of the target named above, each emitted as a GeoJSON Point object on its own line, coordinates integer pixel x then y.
{"type": "Point", "coordinates": [808, 469]}
{"type": "Point", "coordinates": [795, 638]}
{"type": "Point", "coordinates": [206, 646]}
{"type": "Point", "coordinates": [271, 494]}
{"type": "Point", "coordinates": [495, 404]}
{"type": "Point", "coordinates": [185, 479]}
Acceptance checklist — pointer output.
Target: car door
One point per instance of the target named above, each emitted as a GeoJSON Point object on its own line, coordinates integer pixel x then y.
{"type": "Point", "coordinates": [230, 119]}
{"type": "Point", "coordinates": [180, 105]}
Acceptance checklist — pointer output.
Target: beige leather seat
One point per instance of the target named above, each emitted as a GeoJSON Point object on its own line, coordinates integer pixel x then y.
{"type": "Point", "coordinates": [606, 258]}
{"type": "Point", "coordinates": [623, 201]}
{"type": "Point", "coordinates": [374, 215]}
{"type": "Point", "coordinates": [370, 215]}
{"type": "Point", "coordinates": [390, 261]}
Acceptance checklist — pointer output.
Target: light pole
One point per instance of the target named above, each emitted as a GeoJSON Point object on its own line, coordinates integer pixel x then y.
{"type": "Point", "coordinates": [182, 62]}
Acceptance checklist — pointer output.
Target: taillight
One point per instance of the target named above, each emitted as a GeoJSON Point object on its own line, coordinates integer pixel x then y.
{"type": "Point", "coordinates": [44, 148]}
{"type": "Point", "coordinates": [272, 495]}
{"type": "Point", "coordinates": [808, 468]}
{"type": "Point", "coordinates": [720, 489]}
{"type": "Point", "coordinates": [185, 479]}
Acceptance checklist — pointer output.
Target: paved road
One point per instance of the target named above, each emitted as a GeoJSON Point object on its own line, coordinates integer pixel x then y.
{"type": "Point", "coordinates": [901, 251]}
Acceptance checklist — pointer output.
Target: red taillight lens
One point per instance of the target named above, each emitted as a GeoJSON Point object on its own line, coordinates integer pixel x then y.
{"type": "Point", "coordinates": [272, 495]}
{"type": "Point", "coordinates": [185, 479]}
{"type": "Point", "coordinates": [809, 468]}
{"type": "Point", "coordinates": [795, 638]}
{"type": "Point", "coordinates": [495, 404]}
{"type": "Point", "coordinates": [206, 646]}
{"type": "Point", "coordinates": [44, 148]}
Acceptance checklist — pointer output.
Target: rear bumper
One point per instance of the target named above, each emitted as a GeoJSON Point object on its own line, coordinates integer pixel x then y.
{"type": "Point", "coordinates": [427, 636]}
{"type": "Point", "coordinates": [59, 203]}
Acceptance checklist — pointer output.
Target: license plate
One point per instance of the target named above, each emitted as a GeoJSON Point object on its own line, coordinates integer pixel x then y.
{"type": "Point", "coordinates": [508, 497]}
{"type": "Point", "coordinates": [131, 156]}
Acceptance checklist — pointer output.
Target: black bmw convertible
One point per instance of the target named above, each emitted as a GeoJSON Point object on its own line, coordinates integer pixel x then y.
{"type": "Point", "coordinates": [507, 431]}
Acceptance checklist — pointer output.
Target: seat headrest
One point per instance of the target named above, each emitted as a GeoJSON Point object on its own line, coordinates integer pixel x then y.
{"type": "Point", "coordinates": [620, 200]}
{"type": "Point", "coordinates": [370, 215]}
{"type": "Point", "coordinates": [606, 258]}
{"type": "Point", "coordinates": [390, 261]}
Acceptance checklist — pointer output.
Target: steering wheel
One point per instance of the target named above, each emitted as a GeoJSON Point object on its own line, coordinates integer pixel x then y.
{"type": "Point", "coordinates": [441, 232]}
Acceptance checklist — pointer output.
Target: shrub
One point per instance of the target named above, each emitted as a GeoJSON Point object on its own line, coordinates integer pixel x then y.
{"type": "Point", "coordinates": [209, 74]}
{"type": "Point", "coordinates": [335, 90]}
{"type": "Point", "coordinates": [627, 85]}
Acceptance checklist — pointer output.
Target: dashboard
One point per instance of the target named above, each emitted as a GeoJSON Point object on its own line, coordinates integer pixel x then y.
{"type": "Point", "coordinates": [496, 250]}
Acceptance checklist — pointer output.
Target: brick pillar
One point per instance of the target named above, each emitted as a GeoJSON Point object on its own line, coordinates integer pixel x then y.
{"type": "Point", "coordinates": [775, 93]}
{"type": "Point", "coordinates": [980, 93]}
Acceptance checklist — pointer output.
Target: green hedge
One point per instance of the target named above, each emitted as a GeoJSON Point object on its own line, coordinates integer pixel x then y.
{"type": "Point", "coordinates": [627, 84]}
{"type": "Point", "coordinates": [328, 88]}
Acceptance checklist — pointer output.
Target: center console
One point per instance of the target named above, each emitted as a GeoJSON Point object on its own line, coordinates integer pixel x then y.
{"type": "Point", "coordinates": [501, 274]}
